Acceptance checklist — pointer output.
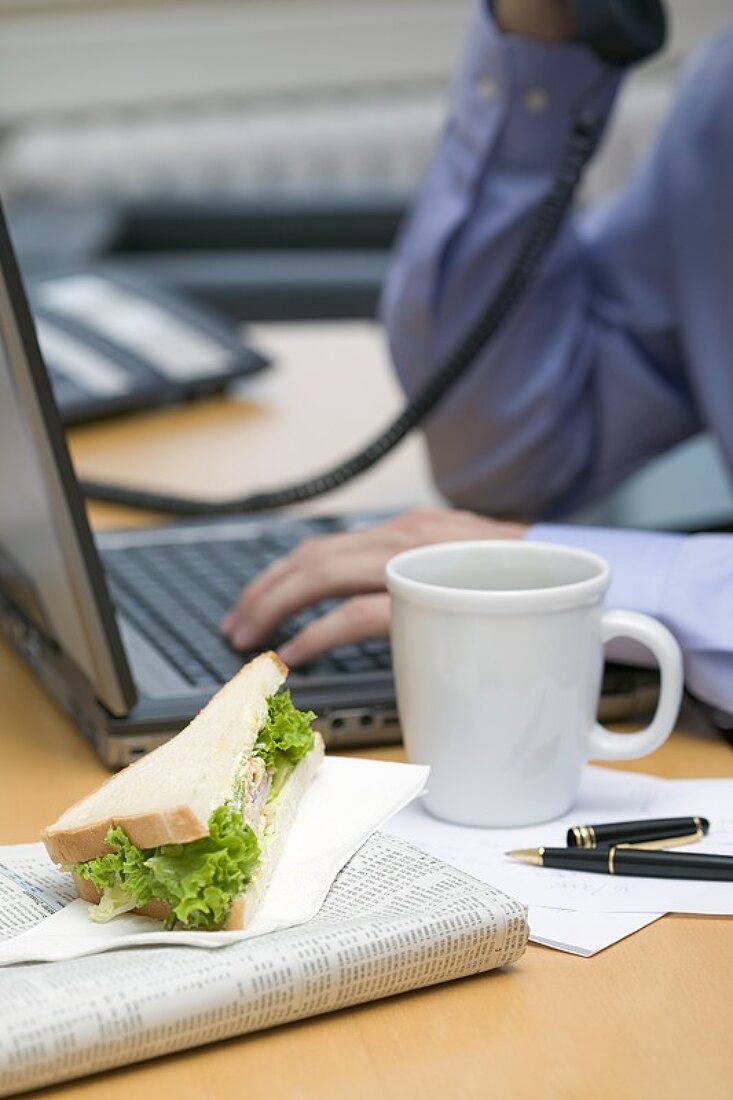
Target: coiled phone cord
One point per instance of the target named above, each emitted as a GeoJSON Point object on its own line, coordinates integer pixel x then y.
{"type": "Point", "coordinates": [547, 220]}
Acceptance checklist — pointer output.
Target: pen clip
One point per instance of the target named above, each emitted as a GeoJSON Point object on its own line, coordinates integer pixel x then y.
{"type": "Point", "coordinates": [662, 842]}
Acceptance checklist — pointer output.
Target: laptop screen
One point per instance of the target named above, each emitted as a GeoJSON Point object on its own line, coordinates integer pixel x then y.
{"type": "Point", "coordinates": [48, 563]}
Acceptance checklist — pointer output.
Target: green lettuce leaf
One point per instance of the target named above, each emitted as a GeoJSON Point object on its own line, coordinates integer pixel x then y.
{"type": "Point", "coordinates": [122, 869]}
{"type": "Point", "coordinates": [112, 903]}
{"type": "Point", "coordinates": [199, 880]}
{"type": "Point", "coordinates": [284, 739]}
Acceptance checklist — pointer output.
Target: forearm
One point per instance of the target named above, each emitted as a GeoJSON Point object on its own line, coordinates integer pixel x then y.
{"type": "Point", "coordinates": [686, 581]}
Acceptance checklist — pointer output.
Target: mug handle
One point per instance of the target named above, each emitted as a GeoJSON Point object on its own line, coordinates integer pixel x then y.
{"type": "Point", "coordinates": [605, 745]}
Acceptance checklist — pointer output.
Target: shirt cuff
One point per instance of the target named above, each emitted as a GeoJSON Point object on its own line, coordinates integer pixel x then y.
{"type": "Point", "coordinates": [528, 89]}
{"type": "Point", "coordinates": [640, 561]}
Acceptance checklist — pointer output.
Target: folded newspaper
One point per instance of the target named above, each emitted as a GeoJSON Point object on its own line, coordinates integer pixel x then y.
{"type": "Point", "coordinates": [394, 919]}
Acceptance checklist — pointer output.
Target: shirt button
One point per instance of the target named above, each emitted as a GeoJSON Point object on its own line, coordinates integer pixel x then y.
{"type": "Point", "coordinates": [536, 100]}
{"type": "Point", "coordinates": [487, 87]}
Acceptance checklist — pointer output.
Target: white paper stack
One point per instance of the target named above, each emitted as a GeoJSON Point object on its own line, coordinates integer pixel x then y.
{"type": "Point", "coordinates": [581, 912]}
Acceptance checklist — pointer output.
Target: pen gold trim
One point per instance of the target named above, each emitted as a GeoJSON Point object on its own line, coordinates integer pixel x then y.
{"type": "Point", "coordinates": [585, 836]}
{"type": "Point", "coordinates": [529, 855]}
{"type": "Point", "coordinates": [663, 842]}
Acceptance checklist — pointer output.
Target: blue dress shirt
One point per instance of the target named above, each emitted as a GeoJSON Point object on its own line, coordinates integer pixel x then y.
{"type": "Point", "coordinates": [623, 346]}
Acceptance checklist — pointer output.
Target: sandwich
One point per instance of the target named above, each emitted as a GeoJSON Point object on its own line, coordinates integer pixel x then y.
{"type": "Point", "coordinates": [191, 833]}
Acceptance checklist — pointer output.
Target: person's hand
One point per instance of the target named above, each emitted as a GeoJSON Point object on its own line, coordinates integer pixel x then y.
{"type": "Point", "coordinates": [348, 565]}
{"type": "Point", "coordinates": [538, 18]}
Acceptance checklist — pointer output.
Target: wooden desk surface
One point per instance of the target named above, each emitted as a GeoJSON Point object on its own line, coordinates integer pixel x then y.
{"type": "Point", "coordinates": [649, 1017]}
{"type": "Point", "coordinates": [329, 393]}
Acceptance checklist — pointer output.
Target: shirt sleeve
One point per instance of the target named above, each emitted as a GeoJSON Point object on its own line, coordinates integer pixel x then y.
{"type": "Point", "coordinates": [585, 381]}
{"type": "Point", "coordinates": [685, 581]}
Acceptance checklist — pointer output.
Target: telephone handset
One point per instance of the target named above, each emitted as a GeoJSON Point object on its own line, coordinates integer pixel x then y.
{"type": "Point", "coordinates": [620, 32]}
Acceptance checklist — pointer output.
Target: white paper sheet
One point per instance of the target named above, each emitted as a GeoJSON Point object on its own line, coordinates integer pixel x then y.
{"type": "Point", "coordinates": [583, 933]}
{"type": "Point", "coordinates": [347, 801]}
{"type": "Point", "coordinates": [605, 795]}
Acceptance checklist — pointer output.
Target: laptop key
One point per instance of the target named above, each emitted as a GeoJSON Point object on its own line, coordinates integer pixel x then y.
{"type": "Point", "coordinates": [355, 664]}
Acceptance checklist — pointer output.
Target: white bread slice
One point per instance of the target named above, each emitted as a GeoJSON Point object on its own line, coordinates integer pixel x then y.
{"type": "Point", "coordinates": [280, 815]}
{"type": "Point", "coordinates": [168, 796]}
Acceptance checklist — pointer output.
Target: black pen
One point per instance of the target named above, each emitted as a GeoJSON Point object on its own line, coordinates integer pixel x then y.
{"type": "Point", "coordinates": [624, 860]}
{"type": "Point", "coordinates": [618, 832]}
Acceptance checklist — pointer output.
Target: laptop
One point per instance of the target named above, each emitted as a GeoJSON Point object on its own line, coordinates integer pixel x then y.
{"type": "Point", "coordinates": [121, 627]}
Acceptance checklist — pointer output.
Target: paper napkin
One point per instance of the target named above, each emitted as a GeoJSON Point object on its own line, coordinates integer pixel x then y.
{"type": "Point", "coordinates": [347, 801]}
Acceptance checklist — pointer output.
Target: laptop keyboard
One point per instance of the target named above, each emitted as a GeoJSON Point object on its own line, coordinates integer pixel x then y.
{"type": "Point", "coordinates": [176, 594]}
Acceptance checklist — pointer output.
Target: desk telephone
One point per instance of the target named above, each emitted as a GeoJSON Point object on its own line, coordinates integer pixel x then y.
{"type": "Point", "coordinates": [621, 32]}
{"type": "Point", "coordinates": [113, 343]}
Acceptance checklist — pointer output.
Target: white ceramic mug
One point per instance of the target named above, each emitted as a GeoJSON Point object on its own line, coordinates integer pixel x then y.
{"type": "Point", "coordinates": [498, 656]}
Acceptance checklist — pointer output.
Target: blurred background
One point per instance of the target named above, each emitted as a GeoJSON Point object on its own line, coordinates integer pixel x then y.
{"type": "Point", "coordinates": [259, 156]}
